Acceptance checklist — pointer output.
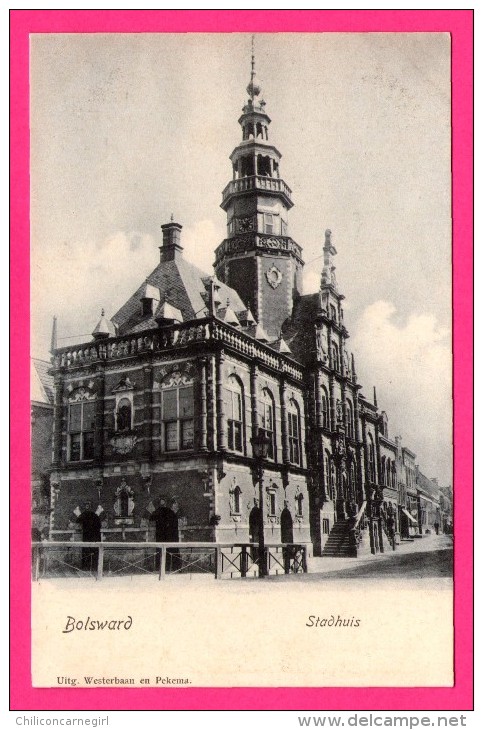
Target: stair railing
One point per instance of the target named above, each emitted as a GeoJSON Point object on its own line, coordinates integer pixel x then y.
{"type": "Point", "coordinates": [356, 525]}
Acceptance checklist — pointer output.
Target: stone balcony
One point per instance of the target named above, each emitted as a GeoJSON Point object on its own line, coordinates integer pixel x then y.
{"type": "Point", "coordinates": [175, 337]}
{"type": "Point", "coordinates": [270, 185]}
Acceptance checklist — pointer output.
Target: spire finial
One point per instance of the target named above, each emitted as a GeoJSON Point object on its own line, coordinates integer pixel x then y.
{"type": "Point", "coordinates": [253, 57]}
{"type": "Point", "coordinates": [102, 312]}
{"type": "Point", "coordinates": [172, 218]}
{"type": "Point", "coordinates": [253, 87]}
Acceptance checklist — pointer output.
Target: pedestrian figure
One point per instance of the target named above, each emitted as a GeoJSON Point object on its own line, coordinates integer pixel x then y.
{"type": "Point", "coordinates": [286, 535]}
{"type": "Point", "coordinates": [161, 518]}
{"type": "Point", "coordinates": [436, 527]}
{"type": "Point", "coordinates": [390, 530]}
{"type": "Point", "coordinates": [166, 521]}
{"type": "Point", "coordinates": [91, 532]}
{"type": "Point", "coordinates": [174, 558]}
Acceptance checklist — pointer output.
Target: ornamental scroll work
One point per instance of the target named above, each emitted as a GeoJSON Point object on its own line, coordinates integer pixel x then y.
{"type": "Point", "coordinates": [274, 276]}
{"type": "Point", "coordinates": [242, 243]}
{"type": "Point", "coordinates": [124, 443]}
{"type": "Point", "coordinates": [80, 394]}
{"type": "Point", "coordinates": [171, 376]}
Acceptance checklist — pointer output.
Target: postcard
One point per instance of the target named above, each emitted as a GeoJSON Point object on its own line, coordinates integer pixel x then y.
{"type": "Point", "coordinates": [247, 270]}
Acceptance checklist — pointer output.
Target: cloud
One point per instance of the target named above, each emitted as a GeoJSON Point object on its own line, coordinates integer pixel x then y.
{"type": "Point", "coordinates": [410, 364]}
{"type": "Point", "coordinates": [92, 275]}
{"type": "Point", "coordinates": [97, 274]}
{"type": "Point", "coordinates": [199, 242]}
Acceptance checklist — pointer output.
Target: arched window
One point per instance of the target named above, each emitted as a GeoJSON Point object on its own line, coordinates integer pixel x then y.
{"type": "Point", "coordinates": [263, 166]}
{"type": "Point", "coordinates": [177, 413]}
{"type": "Point", "coordinates": [388, 473]}
{"type": "Point", "coordinates": [335, 356]}
{"type": "Point", "coordinates": [235, 501]}
{"type": "Point", "coordinates": [124, 504]}
{"type": "Point", "coordinates": [383, 469]}
{"type": "Point", "coordinates": [294, 441]}
{"type": "Point", "coordinates": [349, 419]}
{"type": "Point", "coordinates": [235, 412]}
{"type": "Point", "coordinates": [81, 421]}
{"type": "Point", "coordinates": [371, 459]}
{"type": "Point", "coordinates": [324, 404]}
{"type": "Point", "coordinates": [124, 415]}
{"type": "Point", "coordinates": [267, 420]}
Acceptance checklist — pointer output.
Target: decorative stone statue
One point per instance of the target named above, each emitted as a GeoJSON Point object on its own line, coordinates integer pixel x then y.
{"type": "Point", "coordinates": [339, 413]}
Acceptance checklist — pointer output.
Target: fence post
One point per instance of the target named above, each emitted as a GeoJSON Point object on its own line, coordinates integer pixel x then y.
{"type": "Point", "coordinates": [36, 562]}
{"type": "Point", "coordinates": [218, 562]}
{"type": "Point", "coordinates": [162, 563]}
{"type": "Point", "coordinates": [100, 563]}
{"type": "Point", "coordinates": [304, 558]}
{"type": "Point", "coordinates": [243, 561]}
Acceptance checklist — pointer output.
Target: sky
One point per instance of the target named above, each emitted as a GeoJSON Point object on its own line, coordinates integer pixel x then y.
{"type": "Point", "coordinates": [129, 129]}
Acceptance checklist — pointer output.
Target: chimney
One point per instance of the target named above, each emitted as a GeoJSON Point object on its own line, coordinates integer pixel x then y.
{"type": "Point", "coordinates": [171, 248]}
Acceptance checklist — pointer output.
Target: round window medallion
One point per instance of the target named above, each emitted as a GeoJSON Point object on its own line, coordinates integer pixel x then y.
{"type": "Point", "coordinates": [274, 276]}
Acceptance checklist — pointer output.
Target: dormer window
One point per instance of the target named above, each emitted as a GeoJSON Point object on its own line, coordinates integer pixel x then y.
{"type": "Point", "coordinates": [150, 297]}
{"type": "Point", "coordinates": [147, 306]}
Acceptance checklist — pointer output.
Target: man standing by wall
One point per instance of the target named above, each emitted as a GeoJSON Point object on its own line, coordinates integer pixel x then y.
{"type": "Point", "coordinates": [91, 532]}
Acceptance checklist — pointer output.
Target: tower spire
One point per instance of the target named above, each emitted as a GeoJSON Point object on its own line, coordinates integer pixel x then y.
{"type": "Point", "coordinates": [53, 341]}
{"type": "Point", "coordinates": [253, 87]}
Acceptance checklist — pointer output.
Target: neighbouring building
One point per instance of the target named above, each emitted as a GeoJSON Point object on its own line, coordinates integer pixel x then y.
{"type": "Point", "coordinates": [41, 419]}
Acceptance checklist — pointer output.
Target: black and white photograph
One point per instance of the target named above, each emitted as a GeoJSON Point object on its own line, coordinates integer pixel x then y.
{"type": "Point", "coordinates": [241, 372]}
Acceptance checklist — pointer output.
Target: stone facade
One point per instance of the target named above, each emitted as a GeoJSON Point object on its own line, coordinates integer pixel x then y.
{"type": "Point", "coordinates": [165, 400]}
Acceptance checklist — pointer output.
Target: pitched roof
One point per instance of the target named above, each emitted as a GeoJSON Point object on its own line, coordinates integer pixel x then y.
{"type": "Point", "coordinates": [179, 283]}
{"type": "Point", "coordinates": [41, 383]}
{"type": "Point", "coordinates": [104, 326]}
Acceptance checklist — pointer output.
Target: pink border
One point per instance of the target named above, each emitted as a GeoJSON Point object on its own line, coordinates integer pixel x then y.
{"type": "Point", "coordinates": [460, 24]}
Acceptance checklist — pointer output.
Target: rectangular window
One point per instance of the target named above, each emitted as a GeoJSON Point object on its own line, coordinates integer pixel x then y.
{"type": "Point", "coordinates": [187, 434]}
{"type": "Point", "coordinates": [171, 435]}
{"type": "Point", "coordinates": [267, 419]}
{"type": "Point", "coordinates": [272, 503]}
{"type": "Point", "coordinates": [325, 526]}
{"type": "Point", "coordinates": [235, 442]}
{"type": "Point", "coordinates": [268, 220]}
{"type": "Point", "coordinates": [178, 411]}
{"type": "Point", "coordinates": [82, 417]}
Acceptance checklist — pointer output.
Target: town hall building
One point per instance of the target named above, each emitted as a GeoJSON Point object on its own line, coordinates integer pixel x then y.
{"type": "Point", "coordinates": [164, 401]}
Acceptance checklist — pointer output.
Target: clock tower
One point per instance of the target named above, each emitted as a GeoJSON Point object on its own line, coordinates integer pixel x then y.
{"type": "Point", "coordinates": [258, 258]}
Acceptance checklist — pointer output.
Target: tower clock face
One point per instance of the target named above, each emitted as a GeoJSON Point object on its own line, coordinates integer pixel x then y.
{"type": "Point", "coordinates": [245, 224]}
